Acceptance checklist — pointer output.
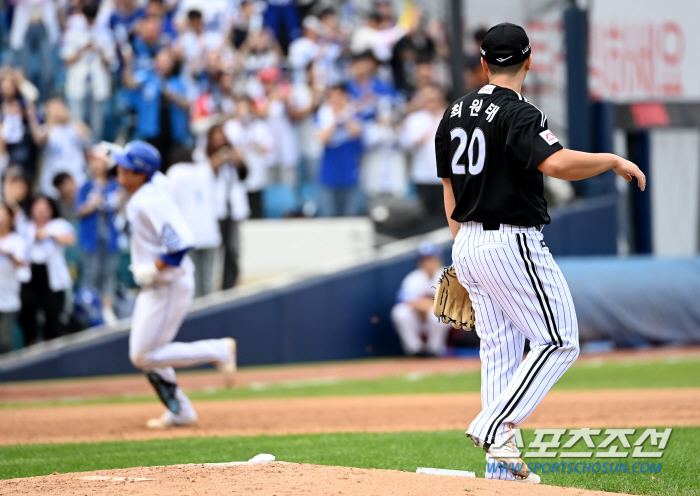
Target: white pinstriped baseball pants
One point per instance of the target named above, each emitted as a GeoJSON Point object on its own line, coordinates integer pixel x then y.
{"type": "Point", "coordinates": [518, 292]}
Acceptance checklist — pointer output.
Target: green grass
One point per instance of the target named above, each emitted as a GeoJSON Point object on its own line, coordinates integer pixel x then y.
{"type": "Point", "coordinates": [400, 451]}
{"type": "Point", "coordinates": [633, 374]}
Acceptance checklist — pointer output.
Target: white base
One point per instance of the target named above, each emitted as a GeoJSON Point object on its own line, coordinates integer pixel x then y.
{"type": "Point", "coordinates": [444, 471]}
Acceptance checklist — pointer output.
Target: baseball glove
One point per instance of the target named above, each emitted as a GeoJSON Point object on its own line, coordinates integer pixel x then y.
{"type": "Point", "coordinates": [452, 302]}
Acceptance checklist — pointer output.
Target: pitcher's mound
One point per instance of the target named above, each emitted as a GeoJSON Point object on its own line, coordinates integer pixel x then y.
{"type": "Point", "coordinates": [272, 479]}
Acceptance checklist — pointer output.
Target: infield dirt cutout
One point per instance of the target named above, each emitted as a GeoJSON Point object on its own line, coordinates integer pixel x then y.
{"type": "Point", "coordinates": [395, 413]}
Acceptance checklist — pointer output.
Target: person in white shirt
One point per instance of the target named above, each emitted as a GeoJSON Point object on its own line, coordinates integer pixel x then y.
{"type": "Point", "coordinates": [218, 15]}
{"type": "Point", "coordinates": [285, 145]}
{"type": "Point", "coordinates": [232, 205]}
{"type": "Point", "coordinates": [383, 162]}
{"type": "Point", "coordinates": [418, 137]}
{"type": "Point", "coordinates": [13, 271]}
{"type": "Point", "coordinates": [328, 69]}
{"type": "Point", "coordinates": [194, 45]}
{"type": "Point", "coordinates": [375, 37]}
{"type": "Point", "coordinates": [65, 142]}
{"type": "Point", "coordinates": [34, 32]}
{"type": "Point", "coordinates": [259, 51]}
{"type": "Point", "coordinates": [304, 100]}
{"type": "Point", "coordinates": [89, 52]}
{"type": "Point", "coordinates": [160, 240]}
{"type": "Point", "coordinates": [193, 187]}
{"type": "Point", "coordinates": [47, 236]}
{"type": "Point", "coordinates": [305, 49]}
{"type": "Point", "coordinates": [250, 133]}
{"type": "Point", "coordinates": [413, 313]}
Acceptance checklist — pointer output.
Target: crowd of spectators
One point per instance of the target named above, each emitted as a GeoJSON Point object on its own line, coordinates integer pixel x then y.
{"type": "Point", "coordinates": [259, 109]}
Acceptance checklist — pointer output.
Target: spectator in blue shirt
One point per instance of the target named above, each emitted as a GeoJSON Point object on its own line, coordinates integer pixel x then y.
{"type": "Point", "coordinates": [162, 108]}
{"type": "Point", "coordinates": [147, 42]}
{"type": "Point", "coordinates": [166, 13]}
{"type": "Point", "coordinates": [369, 93]}
{"type": "Point", "coordinates": [96, 206]}
{"type": "Point", "coordinates": [125, 17]}
{"type": "Point", "coordinates": [340, 131]}
{"type": "Point", "coordinates": [282, 17]}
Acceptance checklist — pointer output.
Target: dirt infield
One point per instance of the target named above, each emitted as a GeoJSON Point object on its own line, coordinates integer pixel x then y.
{"type": "Point", "coordinates": [273, 479]}
{"type": "Point", "coordinates": [85, 423]}
{"type": "Point", "coordinates": [620, 408]}
{"type": "Point", "coordinates": [95, 387]}
{"type": "Point", "coordinates": [395, 413]}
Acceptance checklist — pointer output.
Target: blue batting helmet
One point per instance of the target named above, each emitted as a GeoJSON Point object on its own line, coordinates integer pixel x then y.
{"type": "Point", "coordinates": [139, 156]}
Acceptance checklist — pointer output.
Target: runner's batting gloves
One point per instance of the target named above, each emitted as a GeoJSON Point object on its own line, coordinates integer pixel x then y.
{"type": "Point", "coordinates": [144, 274]}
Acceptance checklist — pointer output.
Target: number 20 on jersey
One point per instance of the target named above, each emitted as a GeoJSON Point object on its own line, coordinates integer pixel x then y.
{"type": "Point", "coordinates": [476, 163]}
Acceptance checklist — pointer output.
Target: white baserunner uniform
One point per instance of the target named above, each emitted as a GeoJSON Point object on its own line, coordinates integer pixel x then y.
{"type": "Point", "coordinates": [518, 292]}
{"type": "Point", "coordinates": [158, 228]}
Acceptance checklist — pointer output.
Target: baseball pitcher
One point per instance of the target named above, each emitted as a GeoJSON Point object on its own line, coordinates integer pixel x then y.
{"type": "Point", "coordinates": [492, 148]}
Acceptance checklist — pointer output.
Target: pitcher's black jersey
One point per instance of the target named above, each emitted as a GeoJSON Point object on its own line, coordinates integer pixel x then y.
{"type": "Point", "coordinates": [490, 143]}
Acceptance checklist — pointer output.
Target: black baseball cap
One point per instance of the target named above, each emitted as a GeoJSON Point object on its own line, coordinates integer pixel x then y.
{"type": "Point", "coordinates": [505, 44]}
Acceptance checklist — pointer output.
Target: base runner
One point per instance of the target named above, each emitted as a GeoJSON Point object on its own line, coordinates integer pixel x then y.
{"type": "Point", "coordinates": [492, 149]}
{"type": "Point", "coordinates": [160, 239]}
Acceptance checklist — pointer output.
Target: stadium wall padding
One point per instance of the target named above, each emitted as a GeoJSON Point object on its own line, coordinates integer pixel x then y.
{"type": "Point", "coordinates": [584, 228]}
{"type": "Point", "coordinates": [345, 315]}
{"type": "Point", "coordinates": [638, 301]}
{"type": "Point", "coordinates": [334, 317]}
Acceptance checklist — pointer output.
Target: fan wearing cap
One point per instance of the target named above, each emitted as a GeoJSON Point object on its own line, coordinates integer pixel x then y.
{"type": "Point", "coordinates": [492, 149]}
{"type": "Point", "coordinates": [160, 239]}
{"type": "Point", "coordinates": [412, 315]}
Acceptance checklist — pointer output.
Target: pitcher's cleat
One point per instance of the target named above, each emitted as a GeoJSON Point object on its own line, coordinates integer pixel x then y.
{"type": "Point", "coordinates": [228, 368]}
{"type": "Point", "coordinates": [168, 421]}
{"type": "Point", "coordinates": [532, 478]}
{"type": "Point", "coordinates": [507, 455]}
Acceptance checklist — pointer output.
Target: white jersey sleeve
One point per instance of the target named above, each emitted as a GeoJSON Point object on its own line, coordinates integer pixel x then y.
{"type": "Point", "coordinates": [157, 228]}
{"type": "Point", "coordinates": [168, 224]}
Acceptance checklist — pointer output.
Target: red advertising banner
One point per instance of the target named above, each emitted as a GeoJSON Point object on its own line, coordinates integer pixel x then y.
{"type": "Point", "coordinates": [640, 52]}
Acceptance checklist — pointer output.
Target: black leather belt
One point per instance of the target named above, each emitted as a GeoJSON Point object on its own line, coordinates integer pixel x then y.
{"type": "Point", "coordinates": [495, 226]}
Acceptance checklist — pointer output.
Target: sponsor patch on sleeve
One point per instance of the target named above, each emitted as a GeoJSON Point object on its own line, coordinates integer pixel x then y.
{"type": "Point", "coordinates": [549, 137]}
{"type": "Point", "coordinates": [487, 90]}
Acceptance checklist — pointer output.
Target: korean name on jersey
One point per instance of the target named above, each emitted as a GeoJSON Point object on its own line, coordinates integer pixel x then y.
{"type": "Point", "coordinates": [490, 143]}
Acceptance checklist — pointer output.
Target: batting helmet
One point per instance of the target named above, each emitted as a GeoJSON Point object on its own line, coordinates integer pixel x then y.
{"type": "Point", "coordinates": [139, 156]}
